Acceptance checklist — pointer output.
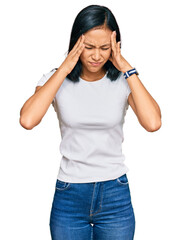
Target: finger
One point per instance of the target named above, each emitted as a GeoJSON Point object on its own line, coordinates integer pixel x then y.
{"type": "Point", "coordinates": [113, 42]}
{"type": "Point", "coordinates": [118, 47]}
{"type": "Point", "coordinates": [79, 50]}
{"type": "Point", "coordinates": [81, 44]}
{"type": "Point", "coordinates": [80, 47]}
{"type": "Point", "coordinates": [78, 43]}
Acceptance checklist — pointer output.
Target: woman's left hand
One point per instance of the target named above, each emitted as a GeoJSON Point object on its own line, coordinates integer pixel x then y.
{"type": "Point", "coordinates": [116, 58]}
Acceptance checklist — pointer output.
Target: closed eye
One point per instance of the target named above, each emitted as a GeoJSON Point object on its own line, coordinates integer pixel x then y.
{"type": "Point", "coordinates": [102, 48]}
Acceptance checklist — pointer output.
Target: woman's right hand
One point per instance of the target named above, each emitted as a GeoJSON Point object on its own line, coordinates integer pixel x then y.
{"type": "Point", "coordinates": [73, 56]}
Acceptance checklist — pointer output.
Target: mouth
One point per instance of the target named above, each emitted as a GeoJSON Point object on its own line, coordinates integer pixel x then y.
{"type": "Point", "coordinates": [95, 63]}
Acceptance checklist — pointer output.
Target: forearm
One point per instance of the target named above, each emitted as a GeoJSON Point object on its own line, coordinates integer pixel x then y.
{"type": "Point", "coordinates": [146, 108]}
{"type": "Point", "coordinates": [148, 111]}
{"type": "Point", "coordinates": [37, 105]}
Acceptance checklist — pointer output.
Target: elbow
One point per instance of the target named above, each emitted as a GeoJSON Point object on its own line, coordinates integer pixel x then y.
{"type": "Point", "coordinates": [154, 126]}
{"type": "Point", "coordinates": [25, 123]}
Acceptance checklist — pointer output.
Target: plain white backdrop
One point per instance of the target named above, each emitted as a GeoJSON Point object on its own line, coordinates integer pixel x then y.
{"type": "Point", "coordinates": [34, 38]}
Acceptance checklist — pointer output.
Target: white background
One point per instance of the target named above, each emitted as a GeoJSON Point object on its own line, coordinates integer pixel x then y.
{"type": "Point", "coordinates": [34, 38]}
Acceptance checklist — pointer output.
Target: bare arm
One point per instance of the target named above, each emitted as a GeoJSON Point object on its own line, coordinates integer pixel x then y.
{"type": "Point", "coordinates": [37, 105]}
{"type": "Point", "coordinates": [143, 104]}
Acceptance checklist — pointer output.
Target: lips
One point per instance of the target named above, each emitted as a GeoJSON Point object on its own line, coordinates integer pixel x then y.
{"type": "Point", "coordinates": [95, 63]}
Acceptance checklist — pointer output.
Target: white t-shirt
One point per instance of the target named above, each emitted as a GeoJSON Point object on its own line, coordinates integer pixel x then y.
{"type": "Point", "coordinates": [91, 117]}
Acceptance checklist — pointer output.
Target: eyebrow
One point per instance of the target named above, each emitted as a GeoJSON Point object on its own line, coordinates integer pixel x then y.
{"type": "Point", "coordinates": [101, 46]}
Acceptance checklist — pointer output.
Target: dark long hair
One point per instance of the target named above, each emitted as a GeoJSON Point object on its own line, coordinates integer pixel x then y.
{"type": "Point", "coordinates": [90, 17]}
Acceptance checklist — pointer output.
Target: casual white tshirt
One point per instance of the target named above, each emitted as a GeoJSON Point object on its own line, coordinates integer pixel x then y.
{"type": "Point", "coordinates": [91, 117]}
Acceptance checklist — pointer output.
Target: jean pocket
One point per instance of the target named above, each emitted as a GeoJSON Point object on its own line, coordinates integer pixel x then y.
{"type": "Point", "coordinates": [61, 186]}
{"type": "Point", "coordinates": [123, 180]}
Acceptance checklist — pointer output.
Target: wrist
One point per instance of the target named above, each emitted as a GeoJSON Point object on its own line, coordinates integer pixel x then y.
{"type": "Point", "coordinates": [63, 68]}
{"type": "Point", "coordinates": [126, 68]}
{"type": "Point", "coordinates": [130, 72]}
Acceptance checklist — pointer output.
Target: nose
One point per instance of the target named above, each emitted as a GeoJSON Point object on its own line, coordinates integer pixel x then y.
{"type": "Point", "coordinates": [96, 55]}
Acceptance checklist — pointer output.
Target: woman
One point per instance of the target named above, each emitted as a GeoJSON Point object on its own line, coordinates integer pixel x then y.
{"type": "Point", "coordinates": [90, 92]}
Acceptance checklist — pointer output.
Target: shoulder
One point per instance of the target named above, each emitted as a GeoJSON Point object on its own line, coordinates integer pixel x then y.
{"type": "Point", "coordinates": [123, 81]}
{"type": "Point", "coordinates": [47, 75]}
{"type": "Point", "coordinates": [54, 70]}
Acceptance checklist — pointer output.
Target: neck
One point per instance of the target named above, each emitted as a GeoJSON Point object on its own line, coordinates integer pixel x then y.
{"type": "Point", "coordinates": [93, 76]}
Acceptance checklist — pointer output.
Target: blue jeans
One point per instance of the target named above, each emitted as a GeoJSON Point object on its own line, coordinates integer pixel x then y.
{"type": "Point", "coordinates": [92, 211]}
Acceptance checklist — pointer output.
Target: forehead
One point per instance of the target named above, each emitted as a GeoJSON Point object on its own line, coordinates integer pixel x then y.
{"type": "Point", "coordinates": [98, 37]}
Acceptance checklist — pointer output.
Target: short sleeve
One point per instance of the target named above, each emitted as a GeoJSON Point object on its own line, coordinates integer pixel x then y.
{"type": "Point", "coordinates": [128, 90]}
{"type": "Point", "coordinates": [43, 80]}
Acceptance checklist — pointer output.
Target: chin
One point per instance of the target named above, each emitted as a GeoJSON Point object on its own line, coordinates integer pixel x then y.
{"type": "Point", "coordinates": [95, 69]}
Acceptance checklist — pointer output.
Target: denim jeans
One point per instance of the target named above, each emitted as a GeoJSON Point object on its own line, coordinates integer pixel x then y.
{"type": "Point", "coordinates": [92, 211]}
